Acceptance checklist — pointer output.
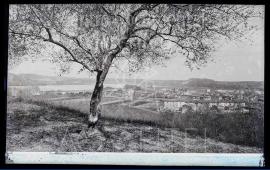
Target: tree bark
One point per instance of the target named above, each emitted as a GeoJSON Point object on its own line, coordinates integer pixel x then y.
{"type": "Point", "coordinates": [95, 109]}
{"type": "Point", "coordinates": [95, 106]}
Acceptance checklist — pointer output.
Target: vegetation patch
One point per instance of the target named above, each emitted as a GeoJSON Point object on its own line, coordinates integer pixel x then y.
{"type": "Point", "coordinates": [59, 129]}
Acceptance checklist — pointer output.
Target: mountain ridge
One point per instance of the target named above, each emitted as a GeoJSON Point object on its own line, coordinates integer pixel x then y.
{"type": "Point", "coordinates": [36, 79]}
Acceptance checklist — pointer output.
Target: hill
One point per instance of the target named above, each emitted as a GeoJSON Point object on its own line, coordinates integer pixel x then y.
{"type": "Point", "coordinates": [34, 79]}
{"type": "Point", "coordinates": [207, 83]}
{"type": "Point", "coordinates": [45, 128]}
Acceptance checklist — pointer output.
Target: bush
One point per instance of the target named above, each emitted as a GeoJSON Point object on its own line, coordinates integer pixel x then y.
{"type": "Point", "coordinates": [237, 128]}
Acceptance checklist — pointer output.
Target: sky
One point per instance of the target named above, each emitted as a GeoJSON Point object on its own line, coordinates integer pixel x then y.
{"type": "Point", "coordinates": [233, 61]}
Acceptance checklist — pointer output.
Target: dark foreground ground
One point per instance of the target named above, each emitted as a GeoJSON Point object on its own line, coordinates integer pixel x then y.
{"type": "Point", "coordinates": [43, 128]}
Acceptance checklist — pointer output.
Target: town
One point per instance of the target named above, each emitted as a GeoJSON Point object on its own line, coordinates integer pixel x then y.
{"type": "Point", "coordinates": [164, 99]}
{"type": "Point", "coordinates": [185, 100]}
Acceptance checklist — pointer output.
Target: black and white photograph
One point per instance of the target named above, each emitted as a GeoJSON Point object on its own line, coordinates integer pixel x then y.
{"type": "Point", "coordinates": [157, 79]}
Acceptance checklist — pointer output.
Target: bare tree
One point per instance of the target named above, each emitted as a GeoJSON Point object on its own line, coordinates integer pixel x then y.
{"type": "Point", "coordinates": [95, 36]}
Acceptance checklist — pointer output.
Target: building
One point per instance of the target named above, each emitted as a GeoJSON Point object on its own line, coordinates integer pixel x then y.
{"type": "Point", "coordinates": [175, 105]}
{"type": "Point", "coordinates": [113, 93]}
{"type": "Point", "coordinates": [172, 105]}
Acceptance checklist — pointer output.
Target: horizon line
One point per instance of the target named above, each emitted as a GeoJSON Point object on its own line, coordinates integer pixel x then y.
{"type": "Point", "coordinates": [139, 78]}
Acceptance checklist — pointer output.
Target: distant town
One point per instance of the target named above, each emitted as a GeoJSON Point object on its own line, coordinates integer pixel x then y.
{"type": "Point", "coordinates": [163, 99]}
{"type": "Point", "coordinates": [184, 100]}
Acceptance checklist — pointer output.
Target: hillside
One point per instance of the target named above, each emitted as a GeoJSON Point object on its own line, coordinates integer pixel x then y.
{"type": "Point", "coordinates": [44, 128]}
{"type": "Point", "coordinates": [208, 83]}
{"type": "Point", "coordinates": [34, 79]}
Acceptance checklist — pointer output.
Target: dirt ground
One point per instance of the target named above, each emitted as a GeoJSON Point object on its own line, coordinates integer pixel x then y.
{"type": "Point", "coordinates": [45, 128]}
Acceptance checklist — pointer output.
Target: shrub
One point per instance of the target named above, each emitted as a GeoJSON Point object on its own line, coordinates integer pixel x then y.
{"type": "Point", "coordinates": [238, 128]}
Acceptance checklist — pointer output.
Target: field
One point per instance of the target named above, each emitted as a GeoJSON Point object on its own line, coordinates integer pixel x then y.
{"type": "Point", "coordinates": [44, 126]}
{"type": "Point", "coordinates": [236, 128]}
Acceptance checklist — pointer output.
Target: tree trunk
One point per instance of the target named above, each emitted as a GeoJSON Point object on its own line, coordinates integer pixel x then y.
{"type": "Point", "coordinates": [95, 107]}
{"type": "Point", "coordinates": [95, 110]}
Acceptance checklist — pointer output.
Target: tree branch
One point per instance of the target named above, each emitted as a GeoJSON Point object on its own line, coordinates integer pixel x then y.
{"type": "Point", "coordinates": [25, 34]}
{"type": "Point", "coordinates": [74, 59]}
{"type": "Point", "coordinates": [75, 39]}
{"type": "Point", "coordinates": [111, 14]}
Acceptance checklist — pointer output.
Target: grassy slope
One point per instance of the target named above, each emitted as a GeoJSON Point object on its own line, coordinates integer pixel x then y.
{"type": "Point", "coordinates": [241, 129]}
{"type": "Point", "coordinates": [43, 127]}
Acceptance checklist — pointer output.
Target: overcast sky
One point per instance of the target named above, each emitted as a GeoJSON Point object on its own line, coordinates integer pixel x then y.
{"type": "Point", "coordinates": [240, 61]}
